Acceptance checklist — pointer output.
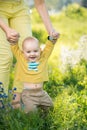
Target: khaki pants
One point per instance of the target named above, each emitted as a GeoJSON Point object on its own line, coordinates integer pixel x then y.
{"type": "Point", "coordinates": [35, 98]}
{"type": "Point", "coordinates": [16, 15]}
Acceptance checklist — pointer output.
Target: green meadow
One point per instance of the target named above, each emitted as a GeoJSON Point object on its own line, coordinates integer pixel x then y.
{"type": "Point", "coordinates": [68, 89]}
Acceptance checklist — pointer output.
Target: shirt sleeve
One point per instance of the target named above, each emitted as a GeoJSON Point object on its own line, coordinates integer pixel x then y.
{"type": "Point", "coordinates": [48, 49]}
{"type": "Point", "coordinates": [15, 50]}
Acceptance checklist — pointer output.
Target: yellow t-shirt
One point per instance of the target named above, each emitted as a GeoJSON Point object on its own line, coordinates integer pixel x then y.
{"type": "Point", "coordinates": [23, 74]}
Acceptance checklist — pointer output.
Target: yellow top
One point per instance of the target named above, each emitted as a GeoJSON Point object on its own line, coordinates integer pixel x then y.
{"type": "Point", "coordinates": [31, 76]}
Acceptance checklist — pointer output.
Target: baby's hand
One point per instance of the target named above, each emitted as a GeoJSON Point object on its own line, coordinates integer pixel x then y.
{"type": "Point", "coordinates": [54, 35]}
{"type": "Point", "coordinates": [12, 35]}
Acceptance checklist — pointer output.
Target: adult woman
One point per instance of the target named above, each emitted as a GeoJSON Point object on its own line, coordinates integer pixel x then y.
{"type": "Point", "coordinates": [15, 23]}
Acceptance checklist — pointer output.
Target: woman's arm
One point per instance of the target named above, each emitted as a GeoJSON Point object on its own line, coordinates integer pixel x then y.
{"type": "Point", "coordinates": [11, 34]}
{"type": "Point", "coordinates": [43, 12]}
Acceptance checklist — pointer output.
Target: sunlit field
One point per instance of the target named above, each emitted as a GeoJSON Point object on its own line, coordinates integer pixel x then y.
{"type": "Point", "coordinates": [70, 24]}
{"type": "Point", "coordinates": [67, 83]}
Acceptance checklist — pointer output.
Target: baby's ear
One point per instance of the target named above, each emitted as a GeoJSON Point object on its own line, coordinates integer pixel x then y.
{"type": "Point", "coordinates": [40, 50]}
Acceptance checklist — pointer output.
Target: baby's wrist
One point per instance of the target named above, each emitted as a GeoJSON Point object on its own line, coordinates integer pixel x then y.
{"type": "Point", "coordinates": [52, 39]}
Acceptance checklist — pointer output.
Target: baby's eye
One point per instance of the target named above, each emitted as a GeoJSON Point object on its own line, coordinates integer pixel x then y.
{"type": "Point", "coordinates": [28, 51]}
{"type": "Point", "coordinates": [35, 50]}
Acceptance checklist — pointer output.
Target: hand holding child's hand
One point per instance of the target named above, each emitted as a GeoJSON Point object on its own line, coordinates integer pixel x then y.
{"type": "Point", "coordinates": [55, 35]}
{"type": "Point", "coordinates": [12, 36]}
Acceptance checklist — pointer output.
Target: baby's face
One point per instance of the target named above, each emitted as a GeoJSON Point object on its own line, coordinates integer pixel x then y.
{"type": "Point", "coordinates": [31, 51]}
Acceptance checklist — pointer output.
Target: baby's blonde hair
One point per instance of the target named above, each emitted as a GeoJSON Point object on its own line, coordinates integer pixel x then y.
{"type": "Point", "coordinates": [30, 39]}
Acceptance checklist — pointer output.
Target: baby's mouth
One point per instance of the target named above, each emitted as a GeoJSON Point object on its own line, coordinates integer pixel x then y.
{"type": "Point", "coordinates": [32, 58]}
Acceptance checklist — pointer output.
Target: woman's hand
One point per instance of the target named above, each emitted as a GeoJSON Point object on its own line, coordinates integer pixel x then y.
{"type": "Point", "coordinates": [54, 34]}
{"type": "Point", "coordinates": [12, 35]}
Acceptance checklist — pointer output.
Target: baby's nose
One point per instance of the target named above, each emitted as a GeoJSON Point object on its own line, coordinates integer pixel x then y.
{"type": "Point", "coordinates": [32, 53]}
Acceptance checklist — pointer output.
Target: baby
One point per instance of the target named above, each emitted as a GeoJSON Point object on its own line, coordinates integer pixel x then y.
{"type": "Point", "coordinates": [31, 70]}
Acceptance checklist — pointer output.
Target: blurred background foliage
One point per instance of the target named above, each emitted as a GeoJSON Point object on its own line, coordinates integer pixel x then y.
{"type": "Point", "coordinates": [57, 5]}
